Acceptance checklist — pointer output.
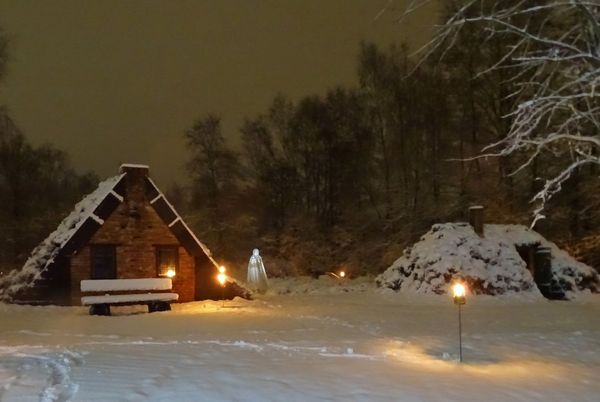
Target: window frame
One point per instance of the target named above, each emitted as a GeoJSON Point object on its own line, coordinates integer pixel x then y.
{"type": "Point", "coordinates": [157, 252]}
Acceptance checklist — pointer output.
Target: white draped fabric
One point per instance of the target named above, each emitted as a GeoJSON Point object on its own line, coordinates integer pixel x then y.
{"type": "Point", "coordinates": [257, 275]}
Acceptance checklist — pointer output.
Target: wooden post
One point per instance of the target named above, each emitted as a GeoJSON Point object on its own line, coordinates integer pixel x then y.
{"type": "Point", "coordinates": [476, 219]}
{"type": "Point", "coordinates": [460, 359]}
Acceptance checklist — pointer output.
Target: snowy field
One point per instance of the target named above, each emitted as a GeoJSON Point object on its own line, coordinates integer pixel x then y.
{"type": "Point", "coordinates": [330, 343]}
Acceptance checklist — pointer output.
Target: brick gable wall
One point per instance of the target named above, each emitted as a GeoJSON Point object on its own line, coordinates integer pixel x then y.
{"type": "Point", "coordinates": [135, 229]}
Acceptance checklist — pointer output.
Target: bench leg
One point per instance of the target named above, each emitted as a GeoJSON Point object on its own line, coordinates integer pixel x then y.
{"type": "Point", "coordinates": [100, 309]}
{"type": "Point", "coordinates": [158, 306]}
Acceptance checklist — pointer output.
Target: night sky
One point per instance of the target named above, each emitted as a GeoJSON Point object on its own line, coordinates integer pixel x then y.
{"type": "Point", "coordinates": [121, 81]}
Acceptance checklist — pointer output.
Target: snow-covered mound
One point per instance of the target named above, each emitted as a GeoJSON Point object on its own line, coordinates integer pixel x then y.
{"type": "Point", "coordinates": [45, 253]}
{"type": "Point", "coordinates": [490, 265]}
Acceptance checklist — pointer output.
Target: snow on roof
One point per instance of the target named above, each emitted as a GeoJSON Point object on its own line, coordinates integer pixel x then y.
{"type": "Point", "coordinates": [451, 251]}
{"type": "Point", "coordinates": [45, 253]}
{"type": "Point", "coordinates": [178, 218]}
{"type": "Point", "coordinates": [134, 165]}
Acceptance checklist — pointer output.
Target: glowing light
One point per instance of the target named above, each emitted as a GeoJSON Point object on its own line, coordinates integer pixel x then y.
{"type": "Point", "coordinates": [222, 278]}
{"type": "Point", "coordinates": [342, 274]}
{"type": "Point", "coordinates": [170, 273]}
{"type": "Point", "coordinates": [222, 269]}
{"type": "Point", "coordinates": [459, 295]}
{"type": "Point", "coordinates": [458, 290]}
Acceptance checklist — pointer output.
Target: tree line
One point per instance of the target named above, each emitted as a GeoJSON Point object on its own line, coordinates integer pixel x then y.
{"type": "Point", "coordinates": [38, 187]}
{"type": "Point", "coordinates": [346, 178]}
{"type": "Point", "coordinates": [350, 177]}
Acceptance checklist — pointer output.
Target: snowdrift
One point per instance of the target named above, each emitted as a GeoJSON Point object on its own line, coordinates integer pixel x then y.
{"type": "Point", "coordinates": [490, 265]}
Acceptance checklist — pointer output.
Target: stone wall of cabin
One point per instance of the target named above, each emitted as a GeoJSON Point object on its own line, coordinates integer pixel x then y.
{"type": "Point", "coordinates": [135, 229]}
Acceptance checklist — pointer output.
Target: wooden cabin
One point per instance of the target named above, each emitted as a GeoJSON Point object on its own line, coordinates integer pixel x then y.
{"type": "Point", "coordinates": [125, 229]}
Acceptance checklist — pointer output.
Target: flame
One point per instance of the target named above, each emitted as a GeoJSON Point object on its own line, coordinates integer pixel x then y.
{"type": "Point", "coordinates": [458, 290]}
{"type": "Point", "coordinates": [222, 278]}
{"type": "Point", "coordinates": [170, 273]}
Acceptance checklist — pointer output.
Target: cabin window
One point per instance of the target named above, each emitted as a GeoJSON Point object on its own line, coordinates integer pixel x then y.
{"type": "Point", "coordinates": [104, 262]}
{"type": "Point", "coordinates": [167, 260]}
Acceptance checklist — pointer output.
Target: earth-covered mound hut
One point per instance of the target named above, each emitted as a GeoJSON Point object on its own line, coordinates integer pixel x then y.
{"type": "Point", "coordinates": [502, 259]}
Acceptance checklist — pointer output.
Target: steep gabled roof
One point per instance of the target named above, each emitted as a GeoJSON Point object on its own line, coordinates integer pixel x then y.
{"type": "Point", "coordinates": [173, 220]}
{"type": "Point", "coordinates": [88, 215]}
{"type": "Point", "coordinates": [86, 218]}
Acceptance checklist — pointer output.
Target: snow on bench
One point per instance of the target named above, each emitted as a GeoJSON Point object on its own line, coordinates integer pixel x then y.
{"type": "Point", "coordinates": [142, 288]}
{"type": "Point", "coordinates": [116, 285]}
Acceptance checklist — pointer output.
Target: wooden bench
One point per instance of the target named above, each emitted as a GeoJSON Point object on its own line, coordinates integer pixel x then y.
{"type": "Point", "coordinates": [100, 294]}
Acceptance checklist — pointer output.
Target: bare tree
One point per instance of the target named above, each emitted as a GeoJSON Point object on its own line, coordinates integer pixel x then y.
{"type": "Point", "coordinates": [554, 59]}
{"type": "Point", "coordinates": [214, 169]}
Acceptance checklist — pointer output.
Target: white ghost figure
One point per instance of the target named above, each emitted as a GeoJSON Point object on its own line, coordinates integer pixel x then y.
{"type": "Point", "coordinates": [257, 276]}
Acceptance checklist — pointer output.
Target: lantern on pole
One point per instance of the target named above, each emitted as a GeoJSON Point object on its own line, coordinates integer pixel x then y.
{"type": "Point", "coordinates": [339, 275]}
{"type": "Point", "coordinates": [459, 297]}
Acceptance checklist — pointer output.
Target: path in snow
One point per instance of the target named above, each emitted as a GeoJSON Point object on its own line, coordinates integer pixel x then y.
{"type": "Point", "coordinates": [29, 370]}
{"type": "Point", "coordinates": [355, 346]}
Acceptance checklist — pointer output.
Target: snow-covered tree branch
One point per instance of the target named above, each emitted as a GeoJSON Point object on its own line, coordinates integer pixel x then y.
{"type": "Point", "coordinates": [553, 52]}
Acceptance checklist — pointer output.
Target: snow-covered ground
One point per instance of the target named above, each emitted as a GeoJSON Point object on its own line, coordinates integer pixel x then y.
{"type": "Point", "coordinates": [304, 341]}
